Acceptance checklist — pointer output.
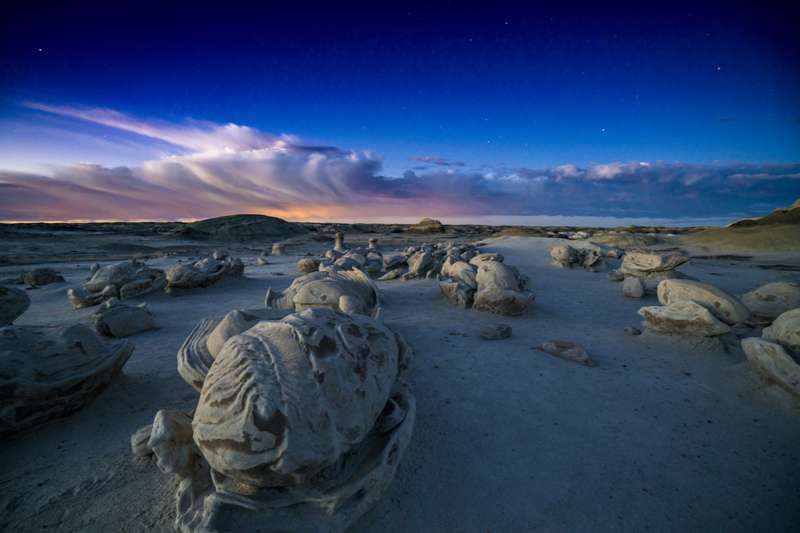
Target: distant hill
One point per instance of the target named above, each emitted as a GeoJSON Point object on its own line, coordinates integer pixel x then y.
{"type": "Point", "coordinates": [790, 215]}
{"type": "Point", "coordinates": [241, 228]}
{"type": "Point", "coordinates": [777, 232]}
{"type": "Point", "coordinates": [427, 225]}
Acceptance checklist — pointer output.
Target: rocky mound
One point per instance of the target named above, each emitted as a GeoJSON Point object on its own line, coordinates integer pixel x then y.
{"type": "Point", "coordinates": [241, 228]}
{"type": "Point", "coordinates": [790, 215]}
{"type": "Point", "coordinates": [427, 225]}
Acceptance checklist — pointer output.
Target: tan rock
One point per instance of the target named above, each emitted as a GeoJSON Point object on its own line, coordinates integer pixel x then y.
{"type": "Point", "coordinates": [785, 330]}
{"type": "Point", "coordinates": [724, 306]}
{"type": "Point", "coordinates": [683, 318]}
{"type": "Point", "coordinates": [633, 287]}
{"type": "Point", "coordinates": [773, 363]}
{"type": "Point", "coordinates": [769, 301]}
{"type": "Point", "coordinates": [640, 263]}
{"type": "Point", "coordinates": [571, 351]}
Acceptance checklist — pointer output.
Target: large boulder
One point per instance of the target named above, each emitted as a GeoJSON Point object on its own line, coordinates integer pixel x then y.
{"type": "Point", "coordinates": [501, 290]}
{"type": "Point", "coordinates": [724, 306]}
{"type": "Point", "coordinates": [769, 301]}
{"type": "Point", "coordinates": [126, 279]}
{"type": "Point", "coordinates": [773, 363]}
{"type": "Point", "coordinates": [683, 317]}
{"type": "Point", "coordinates": [348, 291]}
{"type": "Point", "coordinates": [785, 330]}
{"type": "Point", "coordinates": [203, 273]}
{"type": "Point", "coordinates": [13, 302]}
{"type": "Point", "coordinates": [639, 263]}
{"type": "Point", "coordinates": [300, 426]}
{"type": "Point", "coordinates": [51, 372]}
{"type": "Point", "coordinates": [116, 319]}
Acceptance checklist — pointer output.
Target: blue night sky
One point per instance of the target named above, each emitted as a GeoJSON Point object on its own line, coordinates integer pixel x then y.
{"type": "Point", "coordinates": [360, 111]}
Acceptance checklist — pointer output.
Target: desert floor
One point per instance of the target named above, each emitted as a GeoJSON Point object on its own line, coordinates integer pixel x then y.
{"type": "Point", "coordinates": [664, 434]}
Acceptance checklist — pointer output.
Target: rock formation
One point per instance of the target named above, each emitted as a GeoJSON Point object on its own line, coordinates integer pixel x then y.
{"type": "Point", "coordinates": [767, 302]}
{"type": "Point", "coordinates": [307, 265]}
{"type": "Point", "coordinates": [633, 287]}
{"type": "Point", "coordinates": [116, 319]}
{"type": "Point", "coordinates": [683, 317]}
{"type": "Point", "coordinates": [39, 277]}
{"type": "Point", "coordinates": [785, 330]}
{"type": "Point", "coordinates": [300, 426]}
{"type": "Point", "coordinates": [277, 249]}
{"type": "Point", "coordinates": [652, 267]}
{"type": "Point", "coordinates": [571, 351]}
{"type": "Point", "coordinates": [51, 372]}
{"type": "Point", "coordinates": [772, 362]}
{"type": "Point", "coordinates": [485, 284]}
{"type": "Point", "coordinates": [338, 243]}
{"type": "Point", "coordinates": [127, 279]}
{"type": "Point", "coordinates": [13, 302]}
{"type": "Point", "coordinates": [348, 291]}
{"type": "Point", "coordinates": [204, 272]}
{"type": "Point", "coordinates": [721, 304]}
{"type": "Point", "coordinates": [427, 225]}
{"type": "Point", "coordinates": [591, 257]}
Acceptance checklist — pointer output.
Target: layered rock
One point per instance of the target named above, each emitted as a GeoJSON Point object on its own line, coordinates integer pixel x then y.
{"type": "Point", "coordinates": [490, 286]}
{"type": "Point", "coordinates": [115, 319]}
{"type": "Point", "coordinates": [785, 330]}
{"type": "Point", "coordinates": [724, 306]}
{"type": "Point", "coordinates": [127, 279]}
{"type": "Point", "coordinates": [767, 302]}
{"type": "Point", "coordinates": [204, 272]}
{"type": "Point", "coordinates": [348, 291]}
{"type": "Point", "coordinates": [300, 426]}
{"type": "Point", "coordinates": [772, 362]}
{"type": "Point", "coordinates": [13, 302]}
{"type": "Point", "coordinates": [51, 372]}
{"type": "Point", "coordinates": [591, 258]}
{"type": "Point", "coordinates": [683, 317]}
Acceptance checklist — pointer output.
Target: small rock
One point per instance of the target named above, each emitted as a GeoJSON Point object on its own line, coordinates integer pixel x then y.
{"type": "Point", "coordinates": [42, 276]}
{"type": "Point", "coordinates": [615, 275]}
{"type": "Point", "coordinates": [495, 332]}
{"type": "Point", "coordinates": [630, 330]}
{"type": "Point", "coordinates": [633, 287]}
{"type": "Point", "coordinates": [571, 351]}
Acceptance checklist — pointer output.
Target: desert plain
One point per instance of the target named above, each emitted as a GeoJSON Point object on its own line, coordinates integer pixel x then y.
{"type": "Point", "coordinates": [663, 433]}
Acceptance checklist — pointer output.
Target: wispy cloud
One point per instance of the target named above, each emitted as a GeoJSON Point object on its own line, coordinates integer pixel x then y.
{"type": "Point", "coordinates": [437, 160]}
{"type": "Point", "coordinates": [233, 169]}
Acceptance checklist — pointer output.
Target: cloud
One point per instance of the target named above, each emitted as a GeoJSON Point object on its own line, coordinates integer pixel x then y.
{"type": "Point", "coordinates": [437, 160]}
{"type": "Point", "coordinates": [236, 169]}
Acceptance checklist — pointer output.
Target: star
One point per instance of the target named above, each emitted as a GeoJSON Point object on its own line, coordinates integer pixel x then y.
{"type": "Point", "coordinates": [40, 49]}
{"type": "Point", "coordinates": [719, 68]}
{"type": "Point", "coordinates": [603, 130]}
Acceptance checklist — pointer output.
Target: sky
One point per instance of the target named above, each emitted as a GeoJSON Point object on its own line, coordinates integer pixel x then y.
{"type": "Point", "coordinates": [359, 111]}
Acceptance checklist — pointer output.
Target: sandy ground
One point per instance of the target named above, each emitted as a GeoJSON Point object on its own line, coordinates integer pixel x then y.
{"type": "Point", "coordinates": [665, 434]}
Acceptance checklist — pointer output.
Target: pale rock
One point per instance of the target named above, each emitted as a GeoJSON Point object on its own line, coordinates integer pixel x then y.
{"type": "Point", "coordinates": [633, 287]}
{"type": "Point", "coordinates": [724, 306]}
{"type": "Point", "coordinates": [773, 363]}
{"type": "Point", "coordinates": [769, 301]}
{"type": "Point", "coordinates": [683, 318]}
{"type": "Point", "coordinates": [785, 330]}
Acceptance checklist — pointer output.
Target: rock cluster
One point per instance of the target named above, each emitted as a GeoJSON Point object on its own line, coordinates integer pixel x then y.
{"type": "Point", "coordinates": [775, 355]}
{"type": "Point", "coordinates": [127, 279]}
{"type": "Point", "coordinates": [204, 272]}
{"type": "Point", "coordinates": [649, 267]}
{"type": "Point", "coordinates": [51, 372]}
{"type": "Point", "coordinates": [484, 283]}
{"type": "Point", "coordinates": [693, 308]}
{"type": "Point", "coordinates": [590, 257]}
{"type": "Point", "coordinates": [300, 424]}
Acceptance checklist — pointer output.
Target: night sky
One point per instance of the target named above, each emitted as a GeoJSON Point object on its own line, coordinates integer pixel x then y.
{"type": "Point", "coordinates": [358, 111]}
